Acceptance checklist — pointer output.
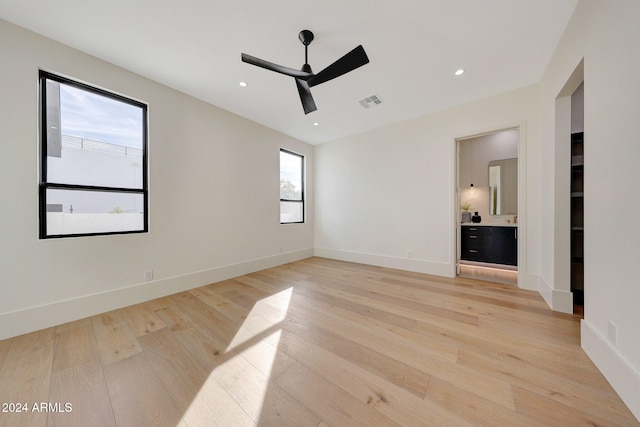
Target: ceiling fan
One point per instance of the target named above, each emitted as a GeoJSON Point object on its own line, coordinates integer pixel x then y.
{"type": "Point", "coordinates": [305, 78]}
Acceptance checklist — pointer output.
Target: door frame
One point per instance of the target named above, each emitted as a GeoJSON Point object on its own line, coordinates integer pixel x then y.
{"type": "Point", "coordinates": [521, 127]}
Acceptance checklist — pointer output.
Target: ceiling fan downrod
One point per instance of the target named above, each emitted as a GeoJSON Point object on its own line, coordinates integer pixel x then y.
{"type": "Point", "coordinates": [306, 37]}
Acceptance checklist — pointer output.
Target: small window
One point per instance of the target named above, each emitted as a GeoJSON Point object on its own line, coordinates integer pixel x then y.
{"type": "Point", "coordinates": [291, 187]}
{"type": "Point", "coordinates": [93, 166]}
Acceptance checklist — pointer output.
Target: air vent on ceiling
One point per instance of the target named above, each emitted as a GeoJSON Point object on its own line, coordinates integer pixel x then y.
{"type": "Point", "coordinates": [370, 101]}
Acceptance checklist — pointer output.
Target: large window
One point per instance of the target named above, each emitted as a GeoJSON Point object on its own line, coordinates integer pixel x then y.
{"type": "Point", "coordinates": [291, 187]}
{"type": "Point", "coordinates": [93, 162]}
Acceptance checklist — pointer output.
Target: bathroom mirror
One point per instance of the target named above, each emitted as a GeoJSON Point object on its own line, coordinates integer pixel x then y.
{"type": "Point", "coordinates": [503, 187]}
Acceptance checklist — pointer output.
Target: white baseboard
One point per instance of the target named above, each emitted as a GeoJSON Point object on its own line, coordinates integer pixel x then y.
{"type": "Point", "coordinates": [622, 376]}
{"type": "Point", "coordinates": [408, 264]}
{"type": "Point", "coordinates": [546, 291]}
{"type": "Point", "coordinates": [557, 299]}
{"type": "Point", "coordinates": [35, 318]}
{"type": "Point", "coordinates": [528, 282]}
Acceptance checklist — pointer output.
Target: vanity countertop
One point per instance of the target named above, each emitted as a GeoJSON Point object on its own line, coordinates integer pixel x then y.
{"type": "Point", "coordinates": [489, 224]}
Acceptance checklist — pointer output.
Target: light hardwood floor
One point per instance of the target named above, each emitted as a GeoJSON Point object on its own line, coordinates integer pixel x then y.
{"type": "Point", "coordinates": [315, 343]}
{"type": "Point", "coordinates": [508, 277]}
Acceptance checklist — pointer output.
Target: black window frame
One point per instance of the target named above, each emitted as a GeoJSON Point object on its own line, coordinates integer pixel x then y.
{"type": "Point", "coordinates": [301, 200]}
{"type": "Point", "coordinates": [45, 185]}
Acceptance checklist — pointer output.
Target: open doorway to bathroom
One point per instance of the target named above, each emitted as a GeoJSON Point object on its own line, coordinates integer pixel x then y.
{"type": "Point", "coordinates": [487, 192]}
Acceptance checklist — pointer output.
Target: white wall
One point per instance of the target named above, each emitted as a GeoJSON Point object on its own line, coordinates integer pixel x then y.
{"type": "Point", "coordinates": [382, 194]}
{"type": "Point", "coordinates": [214, 198]}
{"type": "Point", "coordinates": [577, 110]}
{"type": "Point", "coordinates": [606, 35]}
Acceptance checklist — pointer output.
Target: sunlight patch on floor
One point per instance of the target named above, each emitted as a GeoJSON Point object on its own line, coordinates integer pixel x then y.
{"type": "Point", "coordinates": [264, 315]}
{"type": "Point", "coordinates": [235, 391]}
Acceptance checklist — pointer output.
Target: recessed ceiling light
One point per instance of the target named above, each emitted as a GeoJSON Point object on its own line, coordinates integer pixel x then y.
{"type": "Point", "coordinates": [316, 123]}
{"type": "Point", "coordinates": [243, 84]}
{"type": "Point", "coordinates": [459, 71]}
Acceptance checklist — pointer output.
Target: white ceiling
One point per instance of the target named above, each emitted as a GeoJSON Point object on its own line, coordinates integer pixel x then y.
{"type": "Point", "coordinates": [414, 47]}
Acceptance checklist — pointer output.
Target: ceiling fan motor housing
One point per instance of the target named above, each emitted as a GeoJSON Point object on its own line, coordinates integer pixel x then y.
{"type": "Point", "coordinates": [306, 37]}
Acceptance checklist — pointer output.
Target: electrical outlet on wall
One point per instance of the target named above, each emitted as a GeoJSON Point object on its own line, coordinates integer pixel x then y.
{"type": "Point", "coordinates": [409, 253]}
{"type": "Point", "coordinates": [148, 275]}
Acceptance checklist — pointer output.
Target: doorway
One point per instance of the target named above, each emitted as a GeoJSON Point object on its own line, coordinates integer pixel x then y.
{"type": "Point", "coordinates": [577, 199]}
{"type": "Point", "coordinates": [488, 200]}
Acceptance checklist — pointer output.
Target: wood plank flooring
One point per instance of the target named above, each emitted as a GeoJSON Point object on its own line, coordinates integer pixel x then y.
{"type": "Point", "coordinates": [498, 275]}
{"type": "Point", "coordinates": [313, 343]}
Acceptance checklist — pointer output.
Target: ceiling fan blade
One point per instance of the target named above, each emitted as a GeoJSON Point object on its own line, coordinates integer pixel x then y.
{"type": "Point", "coordinates": [308, 104]}
{"type": "Point", "coordinates": [275, 67]}
{"type": "Point", "coordinates": [349, 62]}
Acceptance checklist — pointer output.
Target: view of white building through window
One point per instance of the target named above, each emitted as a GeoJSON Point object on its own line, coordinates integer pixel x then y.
{"type": "Point", "coordinates": [291, 187]}
{"type": "Point", "coordinates": [93, 174]}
